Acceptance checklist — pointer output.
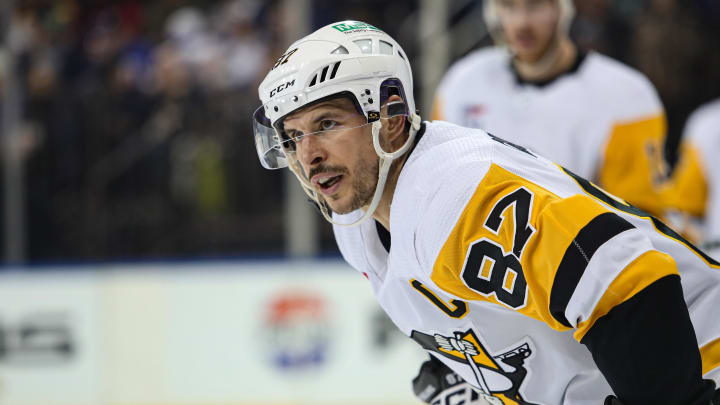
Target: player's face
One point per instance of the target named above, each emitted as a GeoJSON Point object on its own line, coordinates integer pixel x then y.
{"type": "Point", "coordinates": [341, 164]}
{"type": "Point", "coordinates": [529, 26]}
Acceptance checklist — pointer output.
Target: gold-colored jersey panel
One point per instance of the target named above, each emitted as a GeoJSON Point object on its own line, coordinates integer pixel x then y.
{"type": "Point", "coordinates": [687, 190]}
{"type": "Point", "coordinates": [633, 166]}
{"type": "Point", "coordinates": [479, 260]}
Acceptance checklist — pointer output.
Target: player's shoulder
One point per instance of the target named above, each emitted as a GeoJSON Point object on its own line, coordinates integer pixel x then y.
{"type": "Point", "coordinates": [704, 123]}
{"type": "Point", "coordinates": [620, 86]}
{"type": "Point", "coordinates": [436, 181]}
{"type": "Point", "coordinates": [483, 63]}
{"type": "Point", "coordinates": [444, 144]}
{"type": "Point", "coordinates": [449, 153]}
{"type": "Point", "coordinates": [606, 69]}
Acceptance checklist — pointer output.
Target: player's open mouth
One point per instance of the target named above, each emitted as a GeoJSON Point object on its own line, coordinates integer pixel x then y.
{"type": "Point", "coordinates": [330, 184]}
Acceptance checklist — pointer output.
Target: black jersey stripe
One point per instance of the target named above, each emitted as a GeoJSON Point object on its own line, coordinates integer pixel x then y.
{"type": "Point", "coordinates": [630, 209]}
{"type": "Point", "coordinates": [577, 256]}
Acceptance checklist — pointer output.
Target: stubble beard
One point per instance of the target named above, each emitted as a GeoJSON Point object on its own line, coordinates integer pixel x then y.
{"type": "Point", "coordinates": [365, 178]}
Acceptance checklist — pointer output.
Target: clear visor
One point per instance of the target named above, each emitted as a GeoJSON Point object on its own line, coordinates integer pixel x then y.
{"type": "Point", "coordinates": [277, 144]}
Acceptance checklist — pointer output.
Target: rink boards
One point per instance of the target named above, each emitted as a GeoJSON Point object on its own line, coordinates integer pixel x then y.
{"type": "Point", "coordinates": [247, 332]}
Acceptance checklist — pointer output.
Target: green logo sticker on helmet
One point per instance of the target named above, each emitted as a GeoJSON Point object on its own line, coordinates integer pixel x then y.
{"type": "Point", "coordinates": [353, 26]}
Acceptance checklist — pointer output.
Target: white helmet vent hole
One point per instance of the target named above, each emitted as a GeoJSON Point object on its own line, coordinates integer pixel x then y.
{"type": "Point", "coordinates": [386, 48]}
{"type": "Point", "coordinates": [365, 45]}
{"type": "Point", "coordinates": [322, 74]}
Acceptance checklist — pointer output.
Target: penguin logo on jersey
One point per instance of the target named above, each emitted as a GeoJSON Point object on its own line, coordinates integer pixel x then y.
{"type": "Point", "coordinates": [498, 376]}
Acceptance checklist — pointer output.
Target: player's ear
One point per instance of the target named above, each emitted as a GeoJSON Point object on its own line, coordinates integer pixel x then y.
{"type": "Point", "coordinates": [394, 126]}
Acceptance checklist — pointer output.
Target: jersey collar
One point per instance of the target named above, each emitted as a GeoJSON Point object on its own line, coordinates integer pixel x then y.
{"type": "Point", "coordinates": [579, 59]}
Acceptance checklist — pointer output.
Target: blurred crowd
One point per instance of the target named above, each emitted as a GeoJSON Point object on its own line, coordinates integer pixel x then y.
{"type": "Point", "coordinates": [136, 114]}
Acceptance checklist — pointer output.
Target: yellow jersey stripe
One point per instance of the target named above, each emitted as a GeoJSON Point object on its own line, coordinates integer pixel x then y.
{"type": "Point", "coordinates": [643, 271]}
{"type": "Point", "coordinates": [710, 354]}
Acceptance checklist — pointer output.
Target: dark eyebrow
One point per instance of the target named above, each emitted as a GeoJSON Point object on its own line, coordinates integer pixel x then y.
{"type": "Point", "coordinates": [315, 121]}
{"type": "Point", "coordinates": [322, 117]}
{"type": "Point", "coordinates": [332, 113]}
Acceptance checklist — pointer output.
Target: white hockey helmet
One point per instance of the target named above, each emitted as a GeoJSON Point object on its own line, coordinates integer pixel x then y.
{"type": "Point", "coordinates": [492, 18]}
{"type": "Point", "coordinates": [347, 58]}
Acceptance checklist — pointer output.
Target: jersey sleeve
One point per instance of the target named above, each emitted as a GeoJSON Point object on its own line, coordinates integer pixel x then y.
{"type": "Point", "coordinates": [687, 190]}
{"type": "Point", "coordinates": [633, 164]}
{"type": "Point", "coordinates": [575, 264]}
{"type": "Point", "coordinates": [565, 261]}
{"type": "Point", "coordinates": [692, 195]}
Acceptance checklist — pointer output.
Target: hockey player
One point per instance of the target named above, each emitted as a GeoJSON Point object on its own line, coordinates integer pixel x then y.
{"type": "Point", "coordinates": [585, 111]}
{"type": "Point", "coordinates": [529, 282]}
{"type": "Point", "coordinates": [695, 185]}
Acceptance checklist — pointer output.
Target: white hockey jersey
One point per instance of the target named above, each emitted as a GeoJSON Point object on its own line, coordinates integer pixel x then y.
{"type": "Point", "coordinates": [501, 261]}
{"type": "Point", "coordinates": [602, 119]}
{"type": "Point", "coordinates": [695, 187]}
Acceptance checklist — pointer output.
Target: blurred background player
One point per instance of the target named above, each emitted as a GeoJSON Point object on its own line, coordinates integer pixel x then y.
{"type": "Point", "coordinates": [592, 114]}
{"type": "Point", "coordinates": [695, 185]}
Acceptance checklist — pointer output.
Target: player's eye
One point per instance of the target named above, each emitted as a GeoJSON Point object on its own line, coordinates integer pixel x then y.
{"type": "Point", "coordinates": [289, 139]}
{"type": "Point", "coordinates": [327, 125]}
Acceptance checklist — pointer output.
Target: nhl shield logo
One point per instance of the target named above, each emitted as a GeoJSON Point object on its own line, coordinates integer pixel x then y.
{"type": "Point", "coordinates": [297, 330]}
{"type": "Point", "coordinates": [499, 376]}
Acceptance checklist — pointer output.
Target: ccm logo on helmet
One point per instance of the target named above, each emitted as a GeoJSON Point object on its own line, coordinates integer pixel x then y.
{"type": "Point", "coordinates": [281, 87]}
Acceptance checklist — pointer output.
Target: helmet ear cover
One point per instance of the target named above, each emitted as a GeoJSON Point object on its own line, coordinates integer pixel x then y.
{"type": "Point", "coordinates": [396, 108]}
{"type": "Point", "coordinates": [393, 87]}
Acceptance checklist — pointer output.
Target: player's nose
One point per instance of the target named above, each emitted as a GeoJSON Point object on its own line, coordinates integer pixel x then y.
{"type": "Point", "coordinates": [310, 151]}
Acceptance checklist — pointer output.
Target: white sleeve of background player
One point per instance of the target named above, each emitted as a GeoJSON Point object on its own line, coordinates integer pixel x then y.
{"type": "Point", "coordinates": [702, 131]}
{"type": "Point", "coordinates": [627, 91]}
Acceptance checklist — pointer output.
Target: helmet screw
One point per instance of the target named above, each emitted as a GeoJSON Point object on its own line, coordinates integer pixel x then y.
{"type": "Point", "coordinates": [367, 91]}
{"type": "Point", "coordinates": [276, 108]}
{"type": "Point", "coordinates": [295, 98]}
{"type": "Point", "coordinates": [370, 100]}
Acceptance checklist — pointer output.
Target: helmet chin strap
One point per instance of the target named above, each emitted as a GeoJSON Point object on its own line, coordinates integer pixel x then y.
{"type": "Point", "coordinates": [385, 159]}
